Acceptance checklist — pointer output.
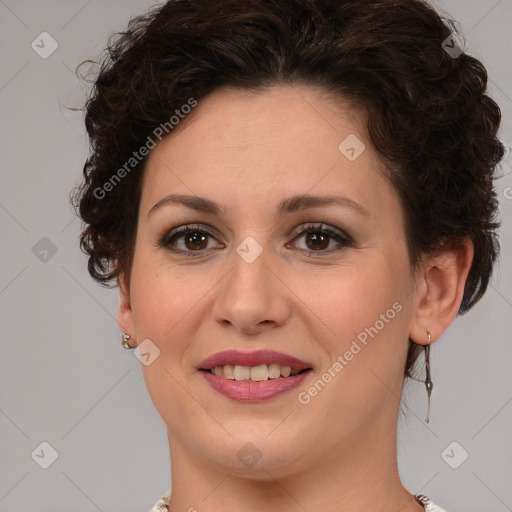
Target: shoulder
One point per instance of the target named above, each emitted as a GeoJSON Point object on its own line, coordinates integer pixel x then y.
{"type": "Point", "coordinates": [162, 504]}
{"type": "Point", "coordinates": [428, 504]}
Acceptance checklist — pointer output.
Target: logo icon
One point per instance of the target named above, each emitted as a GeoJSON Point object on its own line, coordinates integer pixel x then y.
{"type": "Point", "coordinates": [44, 45]}
{"type": "Point", "coordinates": [249, 455]}
{"type": "Point", "coordinates": [454, 45]}
{"type": "Point", "coordinates": [44, 250]}
{"type": "Point", "coordinates": [352, 147]}
{"type": "Point", "coordinates": [44, 455]}
{"type": "Point", "coordinates": [146, 352]}
{"type": "Point", "coordinates": [249, 249]}
{"type": "Point", "coordinates": [454, 455]}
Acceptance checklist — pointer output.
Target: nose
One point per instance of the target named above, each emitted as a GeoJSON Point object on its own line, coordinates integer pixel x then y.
{"type": "Point", "coordinates": [251, 298]}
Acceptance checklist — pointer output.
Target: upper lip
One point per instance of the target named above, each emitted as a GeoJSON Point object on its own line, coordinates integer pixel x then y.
{"type": "Point", "coordinates": [255, 358]}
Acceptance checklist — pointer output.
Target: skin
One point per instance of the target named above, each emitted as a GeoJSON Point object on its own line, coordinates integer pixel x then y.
{"type": "Point", "coordinates": [247, 151]}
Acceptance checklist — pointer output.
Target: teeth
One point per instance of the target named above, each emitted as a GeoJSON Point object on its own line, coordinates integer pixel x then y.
{"type": "Point", "coordinates": [259, 373]}
{"type": "Point", "coordinates": [253, 373]}
{"type": "Point", "coordinates": [285, 371]}
{"type": "Point", "coordinates": [229, 371]}
{"type": "Point", "coordinates": [274, 371]}
{"type": "Point", "coordinates": [241, 372]}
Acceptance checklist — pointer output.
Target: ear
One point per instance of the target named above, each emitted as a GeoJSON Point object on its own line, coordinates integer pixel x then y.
{"type": "Point", "coordinates": [124, 313]}
{"type": "Point", "coordinates": [440, 289]}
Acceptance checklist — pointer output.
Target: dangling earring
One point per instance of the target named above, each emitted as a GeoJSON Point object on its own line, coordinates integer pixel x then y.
{"type": "Point", "coordinates": [124, 341]}
{"type": "Point", "coordinates": [428, 382]}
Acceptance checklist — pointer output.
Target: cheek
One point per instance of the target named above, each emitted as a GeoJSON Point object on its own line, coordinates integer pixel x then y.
{"type": "Point", "coordinates": [364, 320]}
{"type": "Point", "coordinates": [353, 297]}
{"type": "Point", "coordinates": [163, 301]}
{"type": "Point", "coordinates": [166, 299]}
{"type": "Point", "coordinates": [157, 299]}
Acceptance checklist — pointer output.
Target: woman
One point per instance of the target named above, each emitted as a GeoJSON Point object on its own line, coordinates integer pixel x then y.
{"type": "Point", "coordinates": [295, 200]}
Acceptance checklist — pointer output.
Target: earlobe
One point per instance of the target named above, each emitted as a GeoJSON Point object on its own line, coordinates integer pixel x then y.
{"type": "Point", "coordinates": [440, 295]}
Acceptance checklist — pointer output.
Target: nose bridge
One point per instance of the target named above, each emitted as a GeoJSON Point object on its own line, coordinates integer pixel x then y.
{"type": "Point", "coordinates": [251, 297]}
{"type": "Point", "coordinates": [251, 264]}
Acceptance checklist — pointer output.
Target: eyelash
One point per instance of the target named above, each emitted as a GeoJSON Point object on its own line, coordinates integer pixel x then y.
{"type": "Point", "coordinates": [339, 236]}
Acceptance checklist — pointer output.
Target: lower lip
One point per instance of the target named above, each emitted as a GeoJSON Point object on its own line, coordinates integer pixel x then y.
{"type": "Point", "coordinates": [244, 391]}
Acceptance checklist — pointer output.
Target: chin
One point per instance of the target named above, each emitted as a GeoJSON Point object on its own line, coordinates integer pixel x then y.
{"type": "Point", "coordinates": [257, 454]}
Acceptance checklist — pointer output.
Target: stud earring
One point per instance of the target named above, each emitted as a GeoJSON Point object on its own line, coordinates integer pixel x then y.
{"type": "Point", "coordinates": [124, 341]}
{"type": "Point", "coordinates": [428, 382]}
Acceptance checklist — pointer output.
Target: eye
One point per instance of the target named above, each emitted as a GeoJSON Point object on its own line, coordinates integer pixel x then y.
{"type": "Point", "coordinates": [317, 238]}
{"type": "Point", "coordinates": [194, 239]}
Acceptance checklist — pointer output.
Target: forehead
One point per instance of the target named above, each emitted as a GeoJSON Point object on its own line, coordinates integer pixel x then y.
{"type": "Point", "coordinates": [239, 145]}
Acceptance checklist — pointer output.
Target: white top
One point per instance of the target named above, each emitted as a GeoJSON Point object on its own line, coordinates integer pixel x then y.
{"type": "Point", "coordinates": [162, 504]}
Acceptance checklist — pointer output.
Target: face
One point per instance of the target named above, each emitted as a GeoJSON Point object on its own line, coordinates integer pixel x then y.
{"type": "Point", "coordinates": [328, 283]}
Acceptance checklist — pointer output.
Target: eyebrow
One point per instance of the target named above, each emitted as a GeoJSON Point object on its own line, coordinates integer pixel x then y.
{"type": "Point", "coordinates": [290, 205]}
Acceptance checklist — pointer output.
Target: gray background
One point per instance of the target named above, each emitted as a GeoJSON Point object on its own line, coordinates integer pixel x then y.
{"type": "Point", "coordinates": [66, 380]}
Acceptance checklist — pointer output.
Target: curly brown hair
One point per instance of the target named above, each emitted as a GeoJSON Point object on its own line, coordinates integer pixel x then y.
{"type": "Point", "coordinates": [427, 113]}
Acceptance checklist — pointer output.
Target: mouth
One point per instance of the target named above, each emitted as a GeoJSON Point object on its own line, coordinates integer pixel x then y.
{"type": "Point", "coordinates": [254, 376]}
{"type": "Point", "coordinates": [254, 366]}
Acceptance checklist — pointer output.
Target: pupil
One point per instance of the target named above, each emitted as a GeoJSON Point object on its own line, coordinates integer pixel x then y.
{"type": "Point", "coordinates": [317, 238]}
{"type": "Point", "coordinates": [196, 239]}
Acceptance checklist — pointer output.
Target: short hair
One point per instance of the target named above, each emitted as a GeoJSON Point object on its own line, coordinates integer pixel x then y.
{"type": "Point", "coordinates": [426, 110]}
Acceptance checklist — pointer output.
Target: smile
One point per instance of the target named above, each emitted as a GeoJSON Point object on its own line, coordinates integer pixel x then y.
{"type": "Point", "coordinates": [253, 391]}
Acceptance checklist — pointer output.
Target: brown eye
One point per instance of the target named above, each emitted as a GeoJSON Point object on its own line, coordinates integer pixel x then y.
{"type": "Point", "coordinates": [318, 237]}
{"type": "Point", "coordinates": [195, 240]}
{"type": "Point", "coordinates": [317, 241]}
{"type": "Point", "coordinates": [187, 240]}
